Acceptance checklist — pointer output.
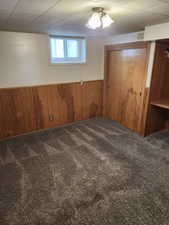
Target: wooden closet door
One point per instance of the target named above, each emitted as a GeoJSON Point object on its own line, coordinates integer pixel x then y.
{"type": "Point", "coordinates": [126, 76]}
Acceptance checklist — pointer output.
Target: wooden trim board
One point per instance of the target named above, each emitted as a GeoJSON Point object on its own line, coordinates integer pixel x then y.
{"type": "Point", "coordinates": [127, 46]}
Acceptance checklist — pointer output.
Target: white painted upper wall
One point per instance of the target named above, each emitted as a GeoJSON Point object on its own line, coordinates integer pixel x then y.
{"type": "Point", "coordinates": [25, 57]}
{"type": "Point", "coordinates": [125, 38]}
{"type": "Point", "coordinates": [151, 33]}
{"type": "Point", "coordinates": [25, 61]}
{"type": "Point", "coordinates": [156, 32]}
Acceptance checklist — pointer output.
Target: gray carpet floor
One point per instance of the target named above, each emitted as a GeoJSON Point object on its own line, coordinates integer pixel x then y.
{"type": "Point", "coordinates": [93, 172]}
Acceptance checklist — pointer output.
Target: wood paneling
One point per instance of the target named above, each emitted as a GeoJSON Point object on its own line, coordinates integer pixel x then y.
{"type": "Point", "coordinates": [160, 77]}
{"type": "Point", "coordinates": [92, 105]}
{"type": "Point", "coordinates": [16, 111]}
{"type": "Point", "coordinates": [157, 119]}
{"type": "Point", "coordinates": [162, 103]}
{"type": "Point", "coordinates": [158, 113]}
{"type": "Point", "coordinates": [26, 109]}
{"type": "Point", "coordinates": [145, 109]}
{"type": "Point", "coordinates": [125, 84]}
{"type": "Point", "coordinates": [133, 45]}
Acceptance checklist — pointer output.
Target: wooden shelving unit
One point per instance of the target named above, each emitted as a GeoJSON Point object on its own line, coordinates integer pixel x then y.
{"type": "Point", "coordinates": [162, 103]}
{"type": "Point", "coordinates": [158, 112]}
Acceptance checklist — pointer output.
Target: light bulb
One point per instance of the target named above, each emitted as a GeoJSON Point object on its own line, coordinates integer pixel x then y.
{"type": "Point", "coordinates": [106, 21]}
{"type": "Point", "coordinates": [94, 21]}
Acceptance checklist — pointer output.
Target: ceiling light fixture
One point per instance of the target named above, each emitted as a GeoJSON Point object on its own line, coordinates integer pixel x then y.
{"type": "Point", "coordinates": [99, 19]}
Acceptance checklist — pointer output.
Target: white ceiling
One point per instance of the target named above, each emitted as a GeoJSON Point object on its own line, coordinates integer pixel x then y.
{"type": "Point", "coordinates": [70, 16]}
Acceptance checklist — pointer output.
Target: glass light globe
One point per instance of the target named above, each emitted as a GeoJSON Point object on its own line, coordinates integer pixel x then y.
{"type": "Point", "coordinates": [94, 21]}
{"type": "Point", "coordinates": [106, 21]}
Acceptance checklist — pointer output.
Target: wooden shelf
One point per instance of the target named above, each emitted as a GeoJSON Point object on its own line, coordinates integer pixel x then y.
{"type": "Point", "coordinates": [162, 103]}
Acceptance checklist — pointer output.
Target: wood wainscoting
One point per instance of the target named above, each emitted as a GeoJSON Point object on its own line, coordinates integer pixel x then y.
{"type": "Point", "coordinates": [26, 109]}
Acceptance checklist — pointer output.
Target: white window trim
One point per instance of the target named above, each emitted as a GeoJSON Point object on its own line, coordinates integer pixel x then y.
{"type": "Point", "coordinates": [66, 60]}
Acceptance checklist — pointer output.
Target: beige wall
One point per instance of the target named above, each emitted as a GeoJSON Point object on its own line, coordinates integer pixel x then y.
{"type": "Point", "coordinates": [156, 32]}
{"type": "Point", "coordinates": [25, 60]}
{"type": "Point", "coordinates": [125, 38]}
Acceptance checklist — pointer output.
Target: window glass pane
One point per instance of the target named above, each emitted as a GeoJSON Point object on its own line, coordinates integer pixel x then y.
{"type": "Point", "coordinates": [67, 50]}
{"type": "Point", "coordinates": [57, 48]}
{"type": "Point", "coordinates": [72, 48]}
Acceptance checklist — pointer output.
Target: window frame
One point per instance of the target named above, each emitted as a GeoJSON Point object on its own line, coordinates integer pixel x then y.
{"type": "Point", "coordinates": [81, 59]}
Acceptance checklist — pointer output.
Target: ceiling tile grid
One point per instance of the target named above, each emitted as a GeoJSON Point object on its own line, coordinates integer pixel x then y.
{"type": "Point", "coordinates": [53, 16]}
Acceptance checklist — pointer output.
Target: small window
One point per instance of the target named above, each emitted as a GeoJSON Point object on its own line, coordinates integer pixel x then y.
{"type": "Point", "coordinates": [68, 50]}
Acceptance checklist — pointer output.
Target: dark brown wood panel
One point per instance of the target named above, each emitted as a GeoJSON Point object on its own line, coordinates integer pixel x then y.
{"type": "Point", "coordinates": [125, 79]}
{"type": "Point", "coordinates": [16, 111]}
{"type": "Point", "coordinates": [162, 103]}
{"type": "Point", "coordinates": [158, 119]}
{"type": "Point", "coordinates": [158, 113]}
{"type": "Point", "coordinates": [160, 77]}
{"type": "Point", "coordinates": [26, 109]}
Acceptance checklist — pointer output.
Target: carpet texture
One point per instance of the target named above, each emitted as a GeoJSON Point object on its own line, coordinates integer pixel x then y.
{"type": "Point", "coordinates": [93, 172]}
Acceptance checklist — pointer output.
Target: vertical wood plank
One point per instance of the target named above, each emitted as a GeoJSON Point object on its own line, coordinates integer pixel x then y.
{"type": "Point", "coordinates": [27, 109]}
{"type": "Point", "coordinates": [124, 84]}
{"type": "Point", "coordinates": [16, 112]}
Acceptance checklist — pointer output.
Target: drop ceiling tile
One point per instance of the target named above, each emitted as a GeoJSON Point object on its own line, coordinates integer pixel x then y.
{"type": "Point", "coordinates": [21, 19]}
{"type": "Point", "coordinates": [34, 6]}
{"type": "Point", "coordinates": [162, 9]}
{"type": "Point", "coordinates": [141, 5]}
{"type": "Point", "coordinates": [7, 4]}
{"type": "Point", "coordinates": [72, 15]}
{"type": "Point", "coordinates": [6, 7]}
{"type": "Point", "coordinates": [62, 12]}
{"type": "Point", "coordinates": [140, 20]}
{"type": "Point", "coordinates": [164, 1]}
{"type": "Point", "coordinates": [3, 13]}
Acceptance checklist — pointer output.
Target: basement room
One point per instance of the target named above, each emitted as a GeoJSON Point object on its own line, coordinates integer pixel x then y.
{"type": "Point", "coordinates": [84, 112]}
